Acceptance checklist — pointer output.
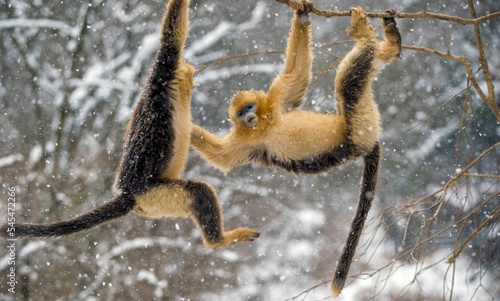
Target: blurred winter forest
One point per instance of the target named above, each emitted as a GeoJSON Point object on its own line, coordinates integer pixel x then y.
{"type": "Point", "coordinates": [71, 71]}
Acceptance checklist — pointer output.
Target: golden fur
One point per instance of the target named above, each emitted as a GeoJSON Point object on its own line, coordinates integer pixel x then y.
{"type": "Point", "coordinates": [183, 122]}
{"type": "Point", "coordinates": [183, 198]}
{"type": "Point", "coordinates": [155, 151]}
{"type": "Point", "coordinates": [269, 129]}
{"type": "Point", "coordinates": [275, 110]}
{"type": "Point", "coordinates": [293, 134]}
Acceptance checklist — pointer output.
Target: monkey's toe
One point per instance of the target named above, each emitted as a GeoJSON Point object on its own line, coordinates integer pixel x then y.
{"type": "Point", "coordinates": [243, 234]}
{"type": "Point", "coordinates": [357, 15]}
{"type": "Point", "coordinates": [246, 234]}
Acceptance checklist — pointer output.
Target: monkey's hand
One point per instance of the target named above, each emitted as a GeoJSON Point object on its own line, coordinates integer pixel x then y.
{"type": "Point", "coordinates": [224, 153]}
{"type": "Point", "coordinates": [201, 137]}
{"type": "Point", "coordinates": [391, 31]}
{"type": "Point", "coordinates": [304, 13]}
{"type": "Point", "coordinates": [210, 147]}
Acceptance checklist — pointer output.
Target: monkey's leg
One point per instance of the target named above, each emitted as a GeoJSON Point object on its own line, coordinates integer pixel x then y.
{"type": "Point", "coordinates": [196, 199]}
{"type": "Point", "coordinates": [207, 213]}
{"type": "Point", "coordinates": [366, 195]}
{"type": "Point", "coordinates": [390, 48]}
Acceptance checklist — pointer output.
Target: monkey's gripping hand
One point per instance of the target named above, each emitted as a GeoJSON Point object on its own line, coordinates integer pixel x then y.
{"type": "Point", "coordinates": [304, 13]}
{"type": "Point", "coordinates": [391, 33]}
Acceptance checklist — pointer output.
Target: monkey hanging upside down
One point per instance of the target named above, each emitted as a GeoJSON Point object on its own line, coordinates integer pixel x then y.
{"type": "Point", "coordinates": [270, 129]}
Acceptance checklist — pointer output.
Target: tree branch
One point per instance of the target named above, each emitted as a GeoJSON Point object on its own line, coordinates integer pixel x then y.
{"type": "Point", "coordinates": [297, 5]}
{"type": "Point", "coordinates": [488, 99]}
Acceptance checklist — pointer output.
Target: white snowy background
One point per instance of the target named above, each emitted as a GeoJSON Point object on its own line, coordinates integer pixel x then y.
{"type": "Point", "coordinates": [71, 71]}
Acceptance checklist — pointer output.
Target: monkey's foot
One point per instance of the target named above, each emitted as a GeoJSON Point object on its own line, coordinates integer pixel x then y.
{"type": "Point", "coordinates": [392, 13]}
{"type": "Point", "coordinates": [235, 236]}
{"type": "Point", "coordinates": [360, 25]}
{"type": "Point", "coordinates": [390, 28]}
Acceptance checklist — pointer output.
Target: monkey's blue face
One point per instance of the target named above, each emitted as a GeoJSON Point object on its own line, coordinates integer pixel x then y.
{"type": "Point", "coordinates": [247, 114]}
{"type": "Point", "coordinates": [248, 108]}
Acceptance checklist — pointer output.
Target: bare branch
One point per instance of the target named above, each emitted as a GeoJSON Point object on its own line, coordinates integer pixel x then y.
{"type": "Point", "coordinates": [492, 217]}
{"type": "Point", "coordinates": [488, 99]}
{"type": "Point", "coordinates": [297, 5]}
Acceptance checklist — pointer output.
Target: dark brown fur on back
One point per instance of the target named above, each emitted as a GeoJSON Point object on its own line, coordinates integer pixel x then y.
{"type": "Point", "coordinates": [155, 152]}
{"type": "Point", "coordinates": [150, 138]}
{"type": "Point", "coordinates": [147, 144]}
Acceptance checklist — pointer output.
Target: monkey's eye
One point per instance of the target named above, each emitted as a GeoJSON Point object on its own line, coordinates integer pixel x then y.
{"type": "Point", "coordinates": [250, 107]}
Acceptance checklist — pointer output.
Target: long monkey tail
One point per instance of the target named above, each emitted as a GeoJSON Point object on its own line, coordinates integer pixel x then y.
{"type": "Point", "coordinates": [115, 207]}
{"type": "Point", "coordinates": [366, 195]}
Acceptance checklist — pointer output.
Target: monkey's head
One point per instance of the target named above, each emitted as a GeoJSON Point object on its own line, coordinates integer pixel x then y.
{"type": "Point", "coordinates": [247, 109]}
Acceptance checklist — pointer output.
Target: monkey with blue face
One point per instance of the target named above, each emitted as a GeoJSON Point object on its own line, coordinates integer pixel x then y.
{"type": "Point", "coordinates": [269, 128]}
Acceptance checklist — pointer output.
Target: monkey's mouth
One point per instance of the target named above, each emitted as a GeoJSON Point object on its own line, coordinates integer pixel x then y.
{"type": "Point", "coordinates": [252, 121]}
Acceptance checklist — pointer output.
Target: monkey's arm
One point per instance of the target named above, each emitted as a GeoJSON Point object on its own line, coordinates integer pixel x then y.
{"type": "Point", "coordinates": [223, 153]}
{"type": "Point", "coordinates": [290, 86]}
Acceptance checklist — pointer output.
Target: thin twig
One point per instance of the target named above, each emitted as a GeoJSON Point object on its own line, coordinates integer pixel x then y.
{"type": "Point", "coordinates": [493, 217]}
{"type": "Point", "coordinates": [490, 100]}
{"type": "Point", "coordinates": [470, 74]}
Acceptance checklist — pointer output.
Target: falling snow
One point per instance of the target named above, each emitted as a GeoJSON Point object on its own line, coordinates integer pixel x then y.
{"type": "Point", "coordinates": [70, 74]}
